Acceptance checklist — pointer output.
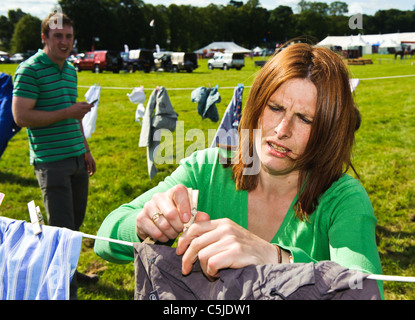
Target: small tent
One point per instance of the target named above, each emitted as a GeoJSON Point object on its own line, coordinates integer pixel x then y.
{"type": "Point", "coordinates": [228, 47]}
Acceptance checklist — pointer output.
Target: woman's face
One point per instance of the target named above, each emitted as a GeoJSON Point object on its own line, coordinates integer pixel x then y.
{"type": "Point", "coordinates": [285, 125]}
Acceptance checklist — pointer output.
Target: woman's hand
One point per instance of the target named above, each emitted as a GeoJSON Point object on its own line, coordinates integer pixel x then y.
{"type": "Point", "coordinates": [164, 216]}
{"type": "Point", "coordinates": [220, 244]}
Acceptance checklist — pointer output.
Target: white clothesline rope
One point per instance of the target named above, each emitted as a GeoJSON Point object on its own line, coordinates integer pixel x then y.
{"type": "Point", "coordinates": [170, 89]}
{"type": "Point", "coordinates": [371, 277]}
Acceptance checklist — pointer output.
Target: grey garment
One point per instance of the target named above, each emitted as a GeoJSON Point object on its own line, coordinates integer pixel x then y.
{"type": "Point", "coordinates": [159, 114]}
{"type": "Point", "coordinates": [207, 98]}
{"type": "Point", "coordinates": [158, 276]}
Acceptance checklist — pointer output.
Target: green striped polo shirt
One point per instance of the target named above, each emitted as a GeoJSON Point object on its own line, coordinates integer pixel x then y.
{"type": "Point", "coordinates": [53, 89]}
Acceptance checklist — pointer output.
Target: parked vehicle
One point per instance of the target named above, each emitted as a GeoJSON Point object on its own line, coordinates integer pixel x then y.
{"type": "Point", "coordinates": [100, 60]}
{"type": "Point", "coordinates": [227, 60]}
{"type": "Point", "coordinates": [140, 59]}
{"type": "Point", "coordinates": [18, 57]}
{"type": "Point", "coordinates": [177, 61]}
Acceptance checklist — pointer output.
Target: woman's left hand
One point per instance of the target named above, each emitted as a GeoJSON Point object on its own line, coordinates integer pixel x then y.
{"type": "Point", "coordinates": [220, 244]}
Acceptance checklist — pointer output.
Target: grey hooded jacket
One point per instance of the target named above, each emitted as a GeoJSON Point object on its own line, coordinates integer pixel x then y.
{"type": "Point", "coordinates": [159, 114]}
{"type": "Point", "coordinates": [158, 276]}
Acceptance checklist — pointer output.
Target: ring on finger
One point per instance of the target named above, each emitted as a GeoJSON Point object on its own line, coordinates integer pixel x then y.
{"type": "Point", "coordinates": [156, 216]}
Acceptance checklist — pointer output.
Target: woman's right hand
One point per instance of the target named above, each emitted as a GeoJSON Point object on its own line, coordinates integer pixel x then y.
{"type": "Point", "coordinates": [164, 216]}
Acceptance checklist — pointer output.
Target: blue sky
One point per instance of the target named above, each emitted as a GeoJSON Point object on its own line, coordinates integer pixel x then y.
{"type": "Point", "coordinates": [41, 8]}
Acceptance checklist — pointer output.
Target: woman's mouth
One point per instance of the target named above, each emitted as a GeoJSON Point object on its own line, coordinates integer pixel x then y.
{"type": "Point", "coordinates": [278, 150]}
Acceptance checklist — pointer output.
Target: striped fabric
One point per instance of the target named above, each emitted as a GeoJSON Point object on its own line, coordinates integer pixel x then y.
{"type": "Point", "coordinates": [36, 267]}
{"type": "Point", "coordinates": [39, 79]}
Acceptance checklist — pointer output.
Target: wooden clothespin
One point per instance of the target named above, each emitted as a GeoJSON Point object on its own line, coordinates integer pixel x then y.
{"type": "Point", "coordinates": [35, 217]}
{"type": "Point", "coordinates": [193, 198]}
{"type": "Point", "coordinates": [1, 197]}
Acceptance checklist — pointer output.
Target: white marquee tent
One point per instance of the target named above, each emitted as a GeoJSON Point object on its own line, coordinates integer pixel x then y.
{"type": "Point", "coordinates": [389, 40]}
{"type": "Point", "coordinates": [228, 47]}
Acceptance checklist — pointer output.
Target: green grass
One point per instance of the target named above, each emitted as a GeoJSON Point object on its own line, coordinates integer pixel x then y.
{"type": "Point", "coordinates": [383, 156]}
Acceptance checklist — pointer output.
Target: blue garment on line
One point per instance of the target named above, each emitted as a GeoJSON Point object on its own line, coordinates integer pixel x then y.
{"type": "Point", "coordinates": [207, 98]}
{"type": "Point", "coordinates": [227, 133]}
{"type": "Point", "coordinates": [36, 267]}
{"type": "Point", "coordinates": [8, 128]}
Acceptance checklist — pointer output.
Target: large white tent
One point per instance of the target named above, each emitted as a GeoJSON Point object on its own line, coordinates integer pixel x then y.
{"type": "Point", "coordinates": [389, 40]}
{"type": "Point", "coordinates": [228, 47]}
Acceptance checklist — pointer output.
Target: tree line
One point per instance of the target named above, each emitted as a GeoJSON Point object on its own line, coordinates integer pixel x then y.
{"type": "Point", "coordinates": [109, 24]}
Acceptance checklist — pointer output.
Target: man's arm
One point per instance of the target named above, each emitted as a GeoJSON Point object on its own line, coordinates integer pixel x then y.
{"type": "Point", "coordinates": [25, 115]}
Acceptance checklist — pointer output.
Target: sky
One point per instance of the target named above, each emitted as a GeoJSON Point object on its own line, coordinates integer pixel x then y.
{"type": "Point", "coordinates": [41, 8]}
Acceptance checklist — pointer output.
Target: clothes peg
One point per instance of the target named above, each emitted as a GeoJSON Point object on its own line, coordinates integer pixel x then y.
{"type": "Point", "coordinates": [1, 197]}
{"type": "Point", "coordinates": [193, 198]}
{"type": "Point", "coordinates": [35, 217]}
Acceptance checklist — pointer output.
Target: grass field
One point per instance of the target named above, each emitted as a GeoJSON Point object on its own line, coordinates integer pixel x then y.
{"type": "Point", "coordinates": [384, 157]}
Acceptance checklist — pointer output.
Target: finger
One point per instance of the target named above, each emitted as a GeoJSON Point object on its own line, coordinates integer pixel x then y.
{"type": "Point", "coordinates": [202, 216]}
{"type": "Point", "coordinates": [180, 196]}
{"type": "Point", "coordinates": [145, 225]}
{"type": "Point", "coordinates": [164, 225]}
{"type": "Point", "coordinates": [198, 245]}
{"type": "Point", "coordinates": [170, 212]}
{"type": "Point", "coordinates": [196, 230]}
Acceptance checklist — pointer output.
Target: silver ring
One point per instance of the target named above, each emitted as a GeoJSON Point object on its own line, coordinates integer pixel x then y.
{"type": "Point", "coordinates": [156, 216]}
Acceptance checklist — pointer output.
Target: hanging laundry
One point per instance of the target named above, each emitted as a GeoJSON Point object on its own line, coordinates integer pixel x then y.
{"type": "Point", "coordinates": [207, 98]}
{"type": "Point", "coordinates": [8, 128]}
{"type": "Point", "coordinates": [227, 133]}
{"type": "Point", "coordinates": [138, 96]}
{"type": "Point", "coordinates": [164, 117]}
{"type": "Point", "coordinates": [158, 276]}
{"type": "Point", "coordinates": [36, 267]}
{"type": "Point", "coordinates": [90, 119]}
{"type": "Point", "coordinates": [353, 84]}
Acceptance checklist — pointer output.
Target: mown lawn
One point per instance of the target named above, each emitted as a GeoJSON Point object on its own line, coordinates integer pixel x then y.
{"type": "Point", "coordinates": [384, 157]}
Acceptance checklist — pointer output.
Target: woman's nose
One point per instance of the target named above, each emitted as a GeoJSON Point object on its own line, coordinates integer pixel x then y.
{"type": "Point", "coordinates": [283, 129]}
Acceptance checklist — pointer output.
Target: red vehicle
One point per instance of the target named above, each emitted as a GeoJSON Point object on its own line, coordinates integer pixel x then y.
{"type": "Point", "coordinates": [98, 61]}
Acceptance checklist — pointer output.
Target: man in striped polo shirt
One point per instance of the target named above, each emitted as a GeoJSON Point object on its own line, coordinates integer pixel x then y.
{"type": "Point", "coordinates": [44, 101]}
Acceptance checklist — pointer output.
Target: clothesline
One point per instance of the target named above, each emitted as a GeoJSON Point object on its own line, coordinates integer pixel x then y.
{"type": "Point", "coordinates": [380, 277]}
{"type": "Point", "coordinates": [150, 89]}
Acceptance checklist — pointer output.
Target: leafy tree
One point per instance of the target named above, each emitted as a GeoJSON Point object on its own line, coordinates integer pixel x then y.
{"type": "Point", "coordinates": [7, 25]}
{"type": "Point", "coordinates": [281, 24]}
{"type": "Point", "coordinates": [26, 36]}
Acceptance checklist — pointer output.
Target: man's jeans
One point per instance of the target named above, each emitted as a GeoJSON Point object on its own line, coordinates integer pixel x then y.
{"type": "Point", "coordinates": [64, 186]}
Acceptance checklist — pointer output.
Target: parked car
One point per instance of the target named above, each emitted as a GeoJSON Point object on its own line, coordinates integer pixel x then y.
{"type": "Point", "coordinates": [100, 60]}
{"type": "Point", "coordinates": [227, 60]}
{"type": "Point", "coordinates": [139, 59]}
{"type": "Point", "coordinates": [177, 61]}
{"type": "Point", "coordinates": [4, 59]}
{"type": "Point", "coordinates": [17, 58]}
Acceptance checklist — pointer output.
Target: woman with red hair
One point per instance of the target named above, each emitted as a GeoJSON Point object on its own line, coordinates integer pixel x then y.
{"type": "Point", "coordinates": [284, 197]}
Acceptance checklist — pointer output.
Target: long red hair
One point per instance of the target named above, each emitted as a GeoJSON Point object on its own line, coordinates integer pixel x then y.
{"type": "Point", "coordinates": [329, 150]}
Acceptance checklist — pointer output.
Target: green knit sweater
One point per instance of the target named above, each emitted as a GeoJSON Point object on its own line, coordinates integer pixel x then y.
{"type": "Point", "coordinates": [341, 229]}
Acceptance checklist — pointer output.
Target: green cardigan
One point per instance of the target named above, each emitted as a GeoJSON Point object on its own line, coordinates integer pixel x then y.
{"type": "Point", "coordinates": [341, 229]}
